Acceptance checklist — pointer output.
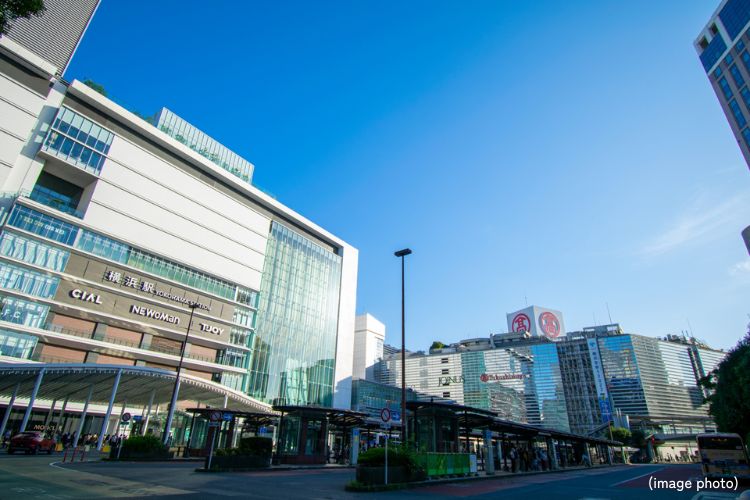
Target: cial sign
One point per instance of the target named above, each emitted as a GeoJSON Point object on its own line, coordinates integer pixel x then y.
{"type": "Point", "coordinates": [85, 296]}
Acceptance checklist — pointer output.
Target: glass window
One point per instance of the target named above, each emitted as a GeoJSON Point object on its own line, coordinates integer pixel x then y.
{"type": "Point", "coordinates": [78, 140]}
{"type": "Point", "coordinates": [23, 312]}
{"type": "Point", "coordinates": [43, 225]}
{"type": "Point", "coordinates": [725, 88]}
{"type": "Point", "coordinates": [739, 46]}
{"type": "Point", "coordinates": [737, 76]}
{"type": "Point", "coordinates": [745, 60]}
{"type": "Point", "coordinates": [33, 252]}
{"type": "Point", "coordinates": [17, 345]}
{"type": "Point", "coordinates": [728, 60]}
{"type": "Point", "coordinates": [717, 72]}
{"type": "Point", "coordinates": [746, 135]}
{"type": "Point", "coordinates": [737, 112]}
{"type": "Point", "coordinates": [27, 281]}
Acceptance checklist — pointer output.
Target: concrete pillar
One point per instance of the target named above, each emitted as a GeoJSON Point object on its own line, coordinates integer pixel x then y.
{"type": "Point", "coordinates": [489, 456]}
{"type": "Point", "coordinates": [27, 415]}
{"type": "Point", "coordinates": [109, 410]}
{"type": "Point", "coordinates": [50, 412]}
{"type": "Point", "coordinates": [226, 400]}
{"type": "Point", "coordinates": [552, 454]}
{"type": "Point", "coordinates": [83, 416]}
{"type": "Point", "coordinates": [64, 420]}
{"type": "Point", "coordinates": [8, 410]}
{"type": "Point", "coordinates": [148, 413]}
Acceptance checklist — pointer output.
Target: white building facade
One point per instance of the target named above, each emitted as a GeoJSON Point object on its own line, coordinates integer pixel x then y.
{"type": "Point", "coordinates": [111, 228]}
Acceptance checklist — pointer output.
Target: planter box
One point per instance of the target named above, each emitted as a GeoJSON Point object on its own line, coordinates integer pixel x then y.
{"type": "Point", "coordinates": [140, 456]}
{"type": "Point", "coordinates": [376, 475]}
{"type": "Point", "coordinates": [231, 462]}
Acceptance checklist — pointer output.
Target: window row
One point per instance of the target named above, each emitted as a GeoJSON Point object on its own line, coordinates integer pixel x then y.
{"type": "Point", "coordinates": [33, 252]}
{"type": "Point", "coordinates": [27, 281]}
{"type": "Point", "coordinates": [23, 312]}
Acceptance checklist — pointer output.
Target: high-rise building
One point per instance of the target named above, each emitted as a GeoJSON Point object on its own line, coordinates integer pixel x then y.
{"type": "Point", "coordinates": [514, 375]}
{"type": "Point", "coordinates": [55, 34]}
{"type": "Point", "coordinates": [369, 335]}
{"type": "Point", "coordinates": [722, 46]}
{"type": "Point", "coordinates": [652, 380]}
{"type": "Point", "coordinates": [111, 228]}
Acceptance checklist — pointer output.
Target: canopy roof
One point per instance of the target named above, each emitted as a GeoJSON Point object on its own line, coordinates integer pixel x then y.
{"type": "Point", "coordinates": [74, 380]}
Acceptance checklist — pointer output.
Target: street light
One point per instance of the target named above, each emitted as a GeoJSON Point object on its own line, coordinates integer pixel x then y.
{"type": "Point", "coordinates": [403, 253]}
{"type": "Point", "coordinates": [176, 387]}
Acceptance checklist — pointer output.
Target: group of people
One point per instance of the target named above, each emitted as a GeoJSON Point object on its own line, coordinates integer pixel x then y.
{"type": "Point", "coordinates": [526, 459]}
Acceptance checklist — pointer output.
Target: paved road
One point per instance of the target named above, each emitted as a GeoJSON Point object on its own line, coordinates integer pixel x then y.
{"type": "Point", "coordinates": [40, 477]}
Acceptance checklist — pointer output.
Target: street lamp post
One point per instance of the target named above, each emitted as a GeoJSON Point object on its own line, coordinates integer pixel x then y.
{"type": "Point", "coordinates": [176, 388]}
{"type": "Point", "coordinates": [403, 253]}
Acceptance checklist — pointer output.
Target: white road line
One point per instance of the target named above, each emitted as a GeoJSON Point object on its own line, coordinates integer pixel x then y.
{"type": "Point", "coordinates": [54, 464]}
{"type": "Point", "coordinates": [636, 477]}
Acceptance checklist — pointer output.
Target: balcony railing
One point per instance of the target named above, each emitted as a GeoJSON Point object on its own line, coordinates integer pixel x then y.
{"type": "Point", "coordinates": [137, 345]}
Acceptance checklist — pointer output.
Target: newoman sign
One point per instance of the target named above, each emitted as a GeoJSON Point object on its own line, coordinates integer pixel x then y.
{"type": "Point", "coordinates": [154, 314]}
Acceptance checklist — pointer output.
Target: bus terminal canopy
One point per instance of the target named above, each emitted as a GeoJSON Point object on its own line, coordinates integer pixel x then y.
{"type": "Point", "coordinates": [136, 386]}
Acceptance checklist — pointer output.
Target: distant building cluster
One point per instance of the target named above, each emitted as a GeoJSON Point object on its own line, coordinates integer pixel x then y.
{"type": "Point", "coordinates": [537, 373]}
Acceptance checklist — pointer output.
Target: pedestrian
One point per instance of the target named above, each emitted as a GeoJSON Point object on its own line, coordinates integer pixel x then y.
{"type": "Point", "coordinates": [513, 459]}
{"type": "Point", "coordinates": [6, 438]}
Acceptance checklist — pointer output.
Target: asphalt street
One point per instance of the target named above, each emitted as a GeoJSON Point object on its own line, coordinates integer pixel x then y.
{"type": "Point", "coordinates": [44, 477]}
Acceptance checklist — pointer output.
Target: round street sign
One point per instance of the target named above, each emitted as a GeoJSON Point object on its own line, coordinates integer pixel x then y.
{"type": "Point", "coordinates": [214, 416]}
{"type": "Point", "coordinates": [385, 415]}
{"type": "Point", "coordinates": [125, 417]}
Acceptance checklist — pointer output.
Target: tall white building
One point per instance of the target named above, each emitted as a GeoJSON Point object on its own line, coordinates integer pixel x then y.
{"type": "Point", "coordinates": [369, 335]}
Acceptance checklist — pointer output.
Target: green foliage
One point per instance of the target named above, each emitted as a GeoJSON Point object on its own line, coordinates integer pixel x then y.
{"type": "Point", "coordinates": [10, 10]}
{"type": "Point", "coordinates": [97, 87]}
{"type": "Point", "coordinates": [355, 485]}
{"type": "Point", "coordinates": [621, 434]}
{"type": "Point", "coordinates": [638, 439]}
{"type": "Point", "coordinates": [397, 456]}
{"type": "Point", "coordinates": [144, 444]}
{"type": "Point", "coordinates": [729, 384]}
{"type": "Point", "coordinates": [437, 345]}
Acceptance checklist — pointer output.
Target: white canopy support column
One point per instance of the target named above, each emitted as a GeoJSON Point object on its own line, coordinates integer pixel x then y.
{"type": "Point", "coordinates": [83, 416]}
{"type": "Point", "coordinates": [9, 409]}
{"type": "Point", "coordinates": [109, 410]}
{"type": "Point", "coordinates": [30, 407]}
{"type": "Point", "coordinates": [147, 416]}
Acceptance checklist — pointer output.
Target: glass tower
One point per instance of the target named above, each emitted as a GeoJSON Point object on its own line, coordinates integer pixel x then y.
{"type": "Point", "coordinates": [295, 336]}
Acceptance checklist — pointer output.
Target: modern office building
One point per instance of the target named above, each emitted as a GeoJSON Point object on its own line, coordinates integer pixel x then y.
{"type": "Point", "coordinates": [118, 237]}
{"type": "Point", "coordinates": [652, 381]}
{"type": "Point", "coordinates": [369, 335]}
{"type": "Point", "coordinates": [538, 321]}
{"type": "Point", "coordinates": [515, 375]}
{"type": "Point", "coordinates": [722, 47]}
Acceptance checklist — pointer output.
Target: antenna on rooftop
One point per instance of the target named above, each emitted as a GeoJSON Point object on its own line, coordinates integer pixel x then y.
{"type": "Point", "coordinates": [609, 313]}
{"type": "Point", "coordinates": [690, 326]}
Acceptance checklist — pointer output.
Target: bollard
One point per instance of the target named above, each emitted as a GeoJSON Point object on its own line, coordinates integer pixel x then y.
{"type": "Point", "coordinates": [73, 457]}
{"type": "Point", "coordinates": [83, 454]}
{"type": "Point", "coordinates": [65, 455]}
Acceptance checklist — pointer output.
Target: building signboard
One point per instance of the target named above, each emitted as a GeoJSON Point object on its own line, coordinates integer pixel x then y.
{"type": "Point", "coordinates": [599, 380]}
{"type": "Point", "coordinates": [537, 321]}
{"type": "Point", "coordinates": [107, 302]}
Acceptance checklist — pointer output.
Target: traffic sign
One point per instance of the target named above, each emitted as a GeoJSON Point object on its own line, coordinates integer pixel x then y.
{"type": "Point", "coordinates": [125, 417]}
{"type": "Point", "coordinates": [395, 415]}
{"type": "Point", "coordinates": [385, 415]}
{"type": "Point", "coordinates": [227, 417]}
{"type": "Point", "coordinates": [214, 416]}
{"type": "Point", "coordinates": [137, 418]}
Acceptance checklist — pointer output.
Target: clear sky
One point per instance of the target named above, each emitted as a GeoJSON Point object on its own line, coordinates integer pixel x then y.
{"type": "Point", "coordinates": [568, 154]}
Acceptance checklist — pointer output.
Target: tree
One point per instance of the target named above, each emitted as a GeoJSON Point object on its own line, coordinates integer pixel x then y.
{"type": "Point", "coordinates": [621, 434]}
{"type": "Point", "coordinates": [729, 390]}
{"type": "Point", "coordinates": [98, 87]}
{"type": "Point", "coordinates": [10, 10]}
{"type": "Point", "coordinates": [437, 345]}
{"type": "Point", "coordinates": [638, 439]}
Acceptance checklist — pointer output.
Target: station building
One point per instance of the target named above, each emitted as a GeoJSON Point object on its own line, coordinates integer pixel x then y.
{"type": "Point", "coordinates": [119, 236]}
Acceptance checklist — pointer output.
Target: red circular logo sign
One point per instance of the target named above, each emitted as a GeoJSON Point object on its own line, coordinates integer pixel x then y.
{"type": "Point", "coordinates": [483, 377]}
{"type": "Point", "coordinates": [521, 323]}
{"type": "Point", "coordinates": [549, 324]}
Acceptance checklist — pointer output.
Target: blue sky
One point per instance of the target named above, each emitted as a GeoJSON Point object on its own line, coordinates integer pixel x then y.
{"type": "Point", "coordinates": [568, 154]}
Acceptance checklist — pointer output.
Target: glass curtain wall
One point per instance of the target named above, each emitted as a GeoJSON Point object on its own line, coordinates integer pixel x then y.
{"type": "Point", "coordinates": [295, 337]}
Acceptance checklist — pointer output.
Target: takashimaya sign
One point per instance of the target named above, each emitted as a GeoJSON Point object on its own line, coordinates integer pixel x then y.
{"type": "Point", "coordinates": [148, 287]}
{"type": "Point", "coordinates": [496, 377]}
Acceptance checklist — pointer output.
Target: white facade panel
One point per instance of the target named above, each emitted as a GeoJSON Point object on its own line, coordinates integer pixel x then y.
{"type": "Point", "coordinates": [154, 239]}
{"type": "Point", "coordinates": [342, 396]}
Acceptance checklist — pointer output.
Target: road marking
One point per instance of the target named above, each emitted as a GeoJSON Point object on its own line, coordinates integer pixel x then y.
{"type": "Point", "coordinates": [637, 477]}
{"type": "Point", "coordinates": [54, 464]}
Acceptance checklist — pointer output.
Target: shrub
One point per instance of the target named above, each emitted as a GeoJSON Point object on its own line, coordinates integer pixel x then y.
{"type": "Point", "coordinates": [144, 444]}
{"type": "Point", "coordinates": [252, 446]}
{"type": "Point", "coordinates": [398, 456]}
